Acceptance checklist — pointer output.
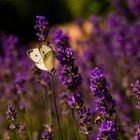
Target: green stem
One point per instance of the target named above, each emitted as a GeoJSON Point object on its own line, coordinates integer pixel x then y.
{"type": "Point", "coordinates": [87, 137]}
{"type": "Point", "coordinates": [17, 135]}
{"type": "Point", "coordinates": [45, 99]}
{"type": "Point", "coordinates": [27, 126]}
{"type": "Point", "coordinates": [76, 127]}
{"type": "Point", "coordinates": [47, 102]}
{"type": "Point", "coordinates": [55, 106]}
{"type": "Point", "coordinates": [27, 119]}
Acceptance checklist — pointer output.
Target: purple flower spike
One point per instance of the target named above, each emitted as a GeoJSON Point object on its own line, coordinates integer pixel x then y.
{"type": "Point", "coordinates": [75, 100]}
{"type": "Point", "coordinates": [104, 106]}
{"type": "Point", "coordinates": [95, 20]}
{"type": "Point", "coordinates": [47, 133]}
{"type": "Point", "coordinates": [11, 113]}
{"type": "Point", "coordinates": [60, 39]}
{"type": "Point", "coordinates": [100, 88]}
{"type": "Point", "coordinates": [20, 83]}
{"type": "Point", "coordinates": [99, 85]}
{"type": "Point", "coordinates": [107, 131]}
{"type": "Point", "coordinates": [85, 116]}
{"type": "Point", "coordinates": [63, 51]}
{"type": "Point", "coordinates": [70, 72]}
{"type": "Point", "coordinates": [72, 82]}
{"type": "Point", "coordinates": [42, 28]}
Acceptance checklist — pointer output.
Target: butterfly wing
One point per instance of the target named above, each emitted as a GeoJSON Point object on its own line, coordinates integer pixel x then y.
{"type": "Point", "coordinates": [40, 64]}
{"type": "Point", "coordinates": [49, 59]}
{"type": "Point", "coordinates": [44, 49]}
{"type": "Point", "coordinates": [43, 57]}
{"type": "Point", "coordinates": [34, 54]}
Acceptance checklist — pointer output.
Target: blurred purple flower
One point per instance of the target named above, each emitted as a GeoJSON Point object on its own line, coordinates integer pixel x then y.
{"type": "Point", "coordinates": [136, 89]}
{"type": "Point", "coordinates": [40, 76]}
{"type": "Point", "coordinates": [136, 92]}
{"type": "Point", "coordinates": [11, 113]}
{"type": "Point", "coordinates": [134, 6]}
{"type": "Point", "coordinates": [20, 82]}
{"type": "Point", "coordinates": [21, 129]}
{"type": "Point", "coordinates": [95, 20]}
{"type": "Point", "coordinates": [47, 133]}
{"type": "Point", "coordinates": [137, 132]}
{"type": "Point", "coordinates": [60, 39]}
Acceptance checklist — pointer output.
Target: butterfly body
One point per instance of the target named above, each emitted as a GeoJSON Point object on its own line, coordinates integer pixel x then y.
{"type": "Point", "coordinates": [43, 57]}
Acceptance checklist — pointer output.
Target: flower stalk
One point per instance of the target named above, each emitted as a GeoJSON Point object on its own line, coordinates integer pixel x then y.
{"type": "Point", "coordinates": [55, 106]}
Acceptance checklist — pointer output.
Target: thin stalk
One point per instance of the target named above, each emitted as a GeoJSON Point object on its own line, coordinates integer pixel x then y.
{"type": "Point", "coordinates": [27, 119]}
{"type": "Point", "coordinates": [17, 135]}
{"type": "Point", "coordinates": [45, 99]}
{"type": "Point", "coordinates": [55, 106]}
{"type": "Point", "coordinates": [47, 102]}
{"type": "Point", "coordinates": [76, 127]}
{"type": "Point", "coordinates": [87, 137]}
{"type": "Point", "coordinates": [27, 128]}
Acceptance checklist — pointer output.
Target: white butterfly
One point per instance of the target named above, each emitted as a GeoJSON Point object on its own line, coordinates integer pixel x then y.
{"type": "Point", "coordinates": [43, 57]}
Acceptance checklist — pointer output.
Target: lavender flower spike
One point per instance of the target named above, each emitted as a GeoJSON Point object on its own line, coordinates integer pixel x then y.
{"type": "Point", "coordinates": [70, 73]}
{"type": "Point", "coordinates": [107, 131]}
{"type": "Point", "coordinates": [100, 88]}
{"type": "Point", "coordinates": [42, 28]}
{"type": "Point", "coordinates": [99, 85]}
{"type": "Point", "coordinates": [11, 113]}
{"type": "Point", "coordinates": [104, 106]}
{"type": "Point", "coordinates": [85, 116]}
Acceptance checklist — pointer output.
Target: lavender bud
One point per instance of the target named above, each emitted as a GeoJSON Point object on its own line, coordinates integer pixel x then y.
{"type": "Point", "coordinates": [47, 133]}
{"type": "Point", "coordinates": [11, 113]}
{"type": "Point", "coordinates": [42, 28]}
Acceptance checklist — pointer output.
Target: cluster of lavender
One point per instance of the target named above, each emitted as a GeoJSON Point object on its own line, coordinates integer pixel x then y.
{"type": "Point", "coordinates": [104, 105]}
{"type": "Point", "coordinates": [20, 87]}
{"type": "Point", "coordinates": [121, 47]}
{"type": "Point", "coordinates": [70, 73]}
{"type": "Point", "coordinates": [72, 79]}
{"type": "Point", "coordinates": [113, 44]}
{"type": "Point", "coordinates": [42, 28]}
{"type": "Point", "coordinates": [11, 115]}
